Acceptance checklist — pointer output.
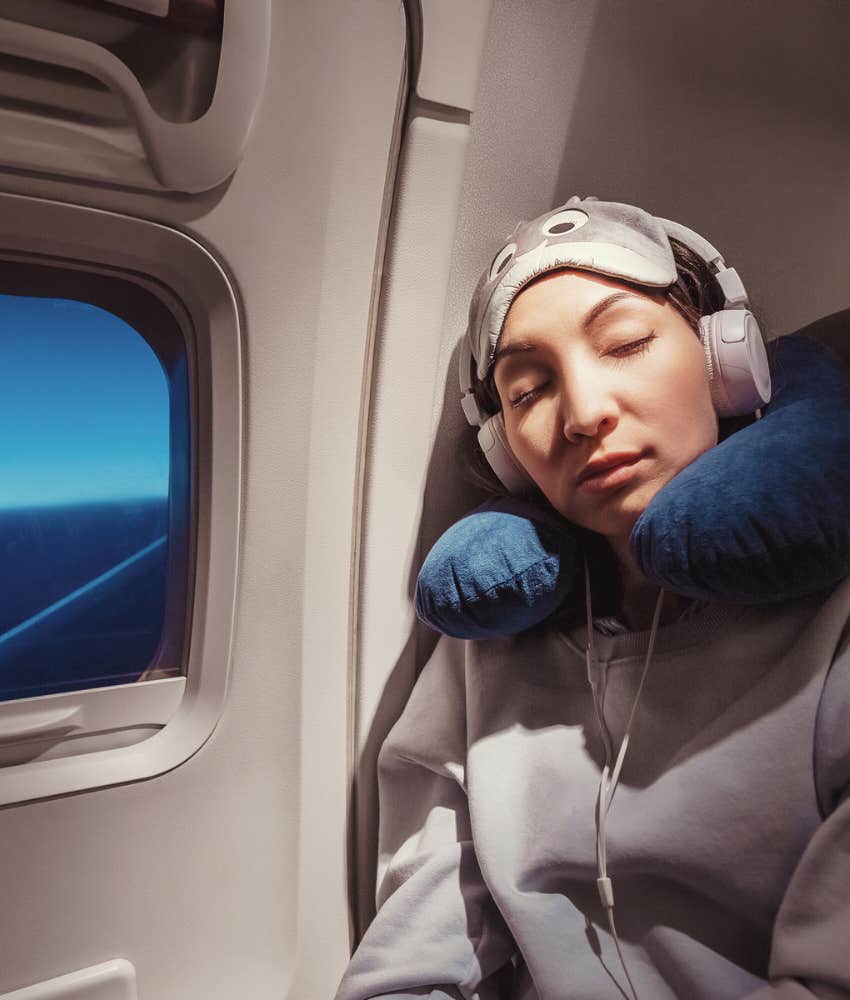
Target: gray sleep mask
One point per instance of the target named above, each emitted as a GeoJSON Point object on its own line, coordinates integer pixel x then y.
{"type": "Point", "coordinates": [616, 240]}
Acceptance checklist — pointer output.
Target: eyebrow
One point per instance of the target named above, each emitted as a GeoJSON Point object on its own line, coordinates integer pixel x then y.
{"type": "Point", "coordinates": [590, 318]}
{"type": "Point", "coordinates": [610, 300]}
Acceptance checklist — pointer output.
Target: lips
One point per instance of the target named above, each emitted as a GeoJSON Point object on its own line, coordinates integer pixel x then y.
{"type": "Point", "coordinates": [606, 464]}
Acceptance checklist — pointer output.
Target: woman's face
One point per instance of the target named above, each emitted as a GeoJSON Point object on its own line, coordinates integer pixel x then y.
{"type": "Point", "coordinates": [588, 369]}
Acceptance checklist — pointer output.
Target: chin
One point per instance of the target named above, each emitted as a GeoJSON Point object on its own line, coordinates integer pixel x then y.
{"type": "Point", "coordinates": [618, 520]}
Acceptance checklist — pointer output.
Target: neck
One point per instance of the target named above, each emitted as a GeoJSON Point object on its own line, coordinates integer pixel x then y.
{"type": "Point", "coordinates": [640, 594]}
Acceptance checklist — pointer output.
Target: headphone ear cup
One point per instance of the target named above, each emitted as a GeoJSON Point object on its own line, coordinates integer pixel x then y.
{"type": "Point", "coordinates": [738, 370]}
{"type": "Point", "coordinates": [493, 439]}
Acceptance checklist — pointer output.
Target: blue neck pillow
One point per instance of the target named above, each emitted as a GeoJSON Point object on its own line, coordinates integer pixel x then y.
{"type": "Point", "coordinates": [763, 517]}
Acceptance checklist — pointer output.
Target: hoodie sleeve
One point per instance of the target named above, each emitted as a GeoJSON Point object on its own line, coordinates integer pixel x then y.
{"type": "Point", "coordinates": [810, 951]}
{"type": "Point", "coordinates": [437, 933]}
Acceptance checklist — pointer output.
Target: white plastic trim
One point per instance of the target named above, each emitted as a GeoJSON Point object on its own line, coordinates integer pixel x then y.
{"type": "Point", "coordinates": [149, 703]}
{"type": "Point", "coordinates": [114, 980]}
{"type": "Point", "coordinates": [185, 156]}
{"type": "Point", "coordinates": [399, 441]}
{"type": "Point", "coordinates": [182, 272]}
{"type": "Point", "coordinates": [452, 50]}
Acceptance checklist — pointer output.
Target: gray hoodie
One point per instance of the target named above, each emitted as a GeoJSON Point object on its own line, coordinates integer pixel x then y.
{"type": "Point", "coordinates": [728, 839]}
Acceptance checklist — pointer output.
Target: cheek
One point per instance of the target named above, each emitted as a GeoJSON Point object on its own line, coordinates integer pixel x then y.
{"type": "Point", "coordinates": [687, 418]}
{"type": "Point", "coordinates": [537, 441]}
{"type": "Point", "coordinates": [531, 432]}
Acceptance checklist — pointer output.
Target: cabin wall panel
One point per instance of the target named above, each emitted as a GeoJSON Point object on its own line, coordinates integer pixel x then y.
{"type": "Point", "coordinates": [204, 877]}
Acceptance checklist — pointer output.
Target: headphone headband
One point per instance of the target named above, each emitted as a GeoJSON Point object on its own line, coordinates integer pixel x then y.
{"type": "Point", "coordinates": [727, 278]}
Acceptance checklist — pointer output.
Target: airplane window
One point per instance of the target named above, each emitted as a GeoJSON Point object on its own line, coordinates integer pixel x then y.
{"type": "Point", "coordinates": [91, 425]}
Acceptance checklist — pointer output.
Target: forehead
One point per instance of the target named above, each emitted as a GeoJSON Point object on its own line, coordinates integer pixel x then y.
{"type": "Point", "coordinates": [567, 299]}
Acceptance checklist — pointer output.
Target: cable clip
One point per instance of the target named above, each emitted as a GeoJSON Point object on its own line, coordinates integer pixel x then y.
{"type": "Point", "coordinates": [606, 892]}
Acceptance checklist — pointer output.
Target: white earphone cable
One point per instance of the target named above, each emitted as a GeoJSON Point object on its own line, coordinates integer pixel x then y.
{"type": "Point", "coordinates": [609, 779]}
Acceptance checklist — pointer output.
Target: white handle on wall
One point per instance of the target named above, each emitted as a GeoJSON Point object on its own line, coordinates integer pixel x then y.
{"type": "Point", "coordinates": [185, 156]}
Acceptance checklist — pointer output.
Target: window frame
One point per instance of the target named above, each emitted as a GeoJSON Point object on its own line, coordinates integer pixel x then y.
{"type": "Point", "coordinates": [165, 721]}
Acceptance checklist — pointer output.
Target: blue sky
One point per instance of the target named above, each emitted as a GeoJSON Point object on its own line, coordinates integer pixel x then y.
{"type": "Point", "coordinates": [84, 408]}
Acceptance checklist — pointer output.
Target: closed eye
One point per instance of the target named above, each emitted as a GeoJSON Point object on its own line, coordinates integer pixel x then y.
{"type": "Point", "coordinates": [528, 395]}
{"type": "Point", "coordinates": [634, 348]}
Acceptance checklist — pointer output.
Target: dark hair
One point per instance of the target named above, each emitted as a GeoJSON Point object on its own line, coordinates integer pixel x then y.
{"type": "Point", "coordinates": [694, 294]}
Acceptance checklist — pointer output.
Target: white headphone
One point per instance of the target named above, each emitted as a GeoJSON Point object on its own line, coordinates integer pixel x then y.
{"type": "Point", "coordinates": [738, 370]}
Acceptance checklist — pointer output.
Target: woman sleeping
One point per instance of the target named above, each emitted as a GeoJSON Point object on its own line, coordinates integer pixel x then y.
{"type": "Point", "coordinates": [617, 378]}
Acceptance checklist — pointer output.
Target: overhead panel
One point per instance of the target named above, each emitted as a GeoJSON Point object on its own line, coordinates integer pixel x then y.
{"type": "Point", "coordinates": [143, 93]}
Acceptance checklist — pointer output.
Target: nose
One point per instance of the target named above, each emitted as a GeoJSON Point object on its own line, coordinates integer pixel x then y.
{"type": "Point", "coordinates": [588, 409]}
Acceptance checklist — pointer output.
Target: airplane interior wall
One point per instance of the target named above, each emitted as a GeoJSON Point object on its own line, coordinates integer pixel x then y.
{"type": "Point", "coordinates": [226, 876]}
